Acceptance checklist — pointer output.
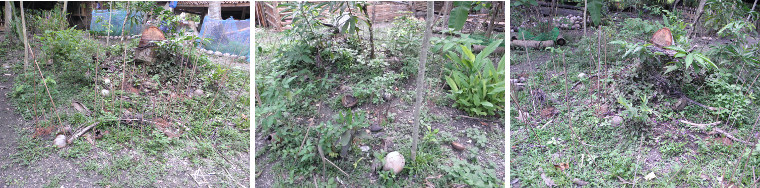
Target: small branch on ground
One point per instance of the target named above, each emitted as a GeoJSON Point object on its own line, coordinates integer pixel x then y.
{"type": "Point", "coordinates": [80, 133]}
{"type": "Point", "coordinates": [715, 130]}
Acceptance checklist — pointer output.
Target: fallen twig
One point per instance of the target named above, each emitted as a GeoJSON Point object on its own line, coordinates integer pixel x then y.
{"type": "Point", "coordinates": [468, 117]}
{"type": "Point", "coordinates": [624, 181]}
{"type": "Point", "coordinates": [715, 130]}
{"type": "Point", "coordinates": [700, 126]}
{"type": "Point", "coordinates": [547, 123]}
{"type": "Point", "coordinates": [80, 133]}
{"type": "Point", "coordinates": [321, 154]}
{"type": "Point", "coordinates": [311, 122]}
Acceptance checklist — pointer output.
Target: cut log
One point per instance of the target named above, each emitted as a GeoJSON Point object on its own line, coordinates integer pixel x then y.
{"type": "Point", "coordinates": [477, 48]}
{"type": "Point", "coordinates": [532, 43]}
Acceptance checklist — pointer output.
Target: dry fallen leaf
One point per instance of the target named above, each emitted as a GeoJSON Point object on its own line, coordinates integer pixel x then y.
{"type": "Point", "coordinates": [548, 181]}
{"type": "Point", "coordinates": [727, 141]}
{"type": "Point", "coordinates": [727, 183]}
{"type": "Point", "coordinates": [457, 146]}
{"type": "Point", "coordinates": [704, 177]}
{"type": "Point", "coordinates": [579, 182]}
{"type": "Point", "coordinates": [650, 176]}
{"type": "Point", "coordinates": [562, 166]}
{"type": "Point", "coordinates": [88, 137]}
{"type": "Point", "coordinates": [81, 108]}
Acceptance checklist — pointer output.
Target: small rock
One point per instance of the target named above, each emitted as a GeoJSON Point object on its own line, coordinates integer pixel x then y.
{"type": "Point", "coordinates": [616, 120]}
{"type": "Point", "coordinates": [349, 101]}
{"type": "Point", "coordinates": [364, 148]}
{"type": "Point", "coordinates": [218, 53]}
{"type": "Point", "coordinates": [6, 66]}
{"type": "Point", "coordinates": [234, 56]}
{"type": "Point", "coordinates": [581, 75]}
{"type": "Point", "coordinates": [198, 92]}
{"type": "Point", "coordinates": [457, 146]}
{"type": "Point", "coordinates": [107, 81]}
{"type": "Point", "coordinates": [226, 54]}
{"type": "Point", "coordinates": [105, 92]}
{"type": "Point", "coordinates": [387, 96]}
{"type": "Point", "coordinates": [209, 52]}
{"type": "Point", "coordinates": [394, 161]}
{"type": "Point", "coordinates": [60, 141]}
{"type": "Point", "coordinates": [241, 57]}
{"type": "Point", "coordinates": [345, 88]}
{"type": "Point", "coordinates": [375, 128]}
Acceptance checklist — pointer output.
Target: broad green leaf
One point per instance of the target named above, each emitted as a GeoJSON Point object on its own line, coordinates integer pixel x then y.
{"type": "Point", "coordinates": [689, 60]}
{"type": "Point", "coordinates": [670, 68]}
{"type": "Point", "coordinates": [451, 83]}
{"type": "Point", "coordinates": [468, 53]}
{"type": "Point", "coordinates": [458, 17]}
{"type": "Point", "coordinates": [488, 50]}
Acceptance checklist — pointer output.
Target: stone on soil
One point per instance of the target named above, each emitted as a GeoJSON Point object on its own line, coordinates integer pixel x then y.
{"type": "Point", "coordinates": [394, 162]}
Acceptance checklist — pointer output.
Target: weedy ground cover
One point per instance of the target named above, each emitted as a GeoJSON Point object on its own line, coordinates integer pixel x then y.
{"type": "Point", "coordinates": [607, 111]}
{"type": "Point", "coordinates": [167, 123]}
{"type": "Point", "coordinates": [322, 89]}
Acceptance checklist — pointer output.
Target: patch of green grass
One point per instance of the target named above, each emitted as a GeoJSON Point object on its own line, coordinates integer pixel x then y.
{"type": "Point", "coordinates": [55, 181]}
{"type": "Point", "coordinates": [78, 148]}
{"type": "Point", "coordinates": [29, 149]}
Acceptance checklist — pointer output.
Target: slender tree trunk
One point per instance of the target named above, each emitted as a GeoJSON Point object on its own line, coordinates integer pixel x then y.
{"type": "Point", "coordinates": [215, 10]}
{"type": "Point", "coordinates": [585, 5]}
{"type": "Point", "coordinates": [553, 14]}
{"type": "Point", "coordinates": [494, 13]}
{"type": "Point", "coordinates": [674, 5]}
{"type": "Point", "coordinates": [699, 14]}
{"type": "Point", "coordinates": [753, 9]}
{"type": "Point", "coordinates": [371, 36]}
{"type": "Point", "coordinates": [8, 14]}
{"type": "Point", "coordinates": [23, 33]}
{"type": "Point", "coordinates": [65, 5]}
{"type": "Point", "coordinates": [420, 91]}
{"type": "Point", "coordinates": [446, 8]}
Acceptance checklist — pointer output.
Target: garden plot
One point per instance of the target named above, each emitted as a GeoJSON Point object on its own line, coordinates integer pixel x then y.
{"type": "Point", "coordinates": [177, 122]}
{"type": "Point", "coordinates": [322, 94]}
{"type": "Point", "coordinates": [610, 108]}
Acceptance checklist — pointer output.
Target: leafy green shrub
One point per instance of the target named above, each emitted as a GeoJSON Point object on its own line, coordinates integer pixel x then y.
{"type": "Point", "coordinates": [336, 138]}
{"type": "Point", "coordinates": [274, 96]}
{"type": "Point", "coordinates": [718, 13]}
{"type": "Point", "coordinates": [39, 21]}
{"type": "Point", "coordinates": [476, 86]}
{"type": "Point", "coordinates": [728, 98]}
{"type": "Point", "coordinates": [470, 174]}
{"type": "Point", "coordinates": [63, 45]}
{"type": "Point", "coordinates": [376, 87]}
{"type": "Point", "coordinates": [407, 36]}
